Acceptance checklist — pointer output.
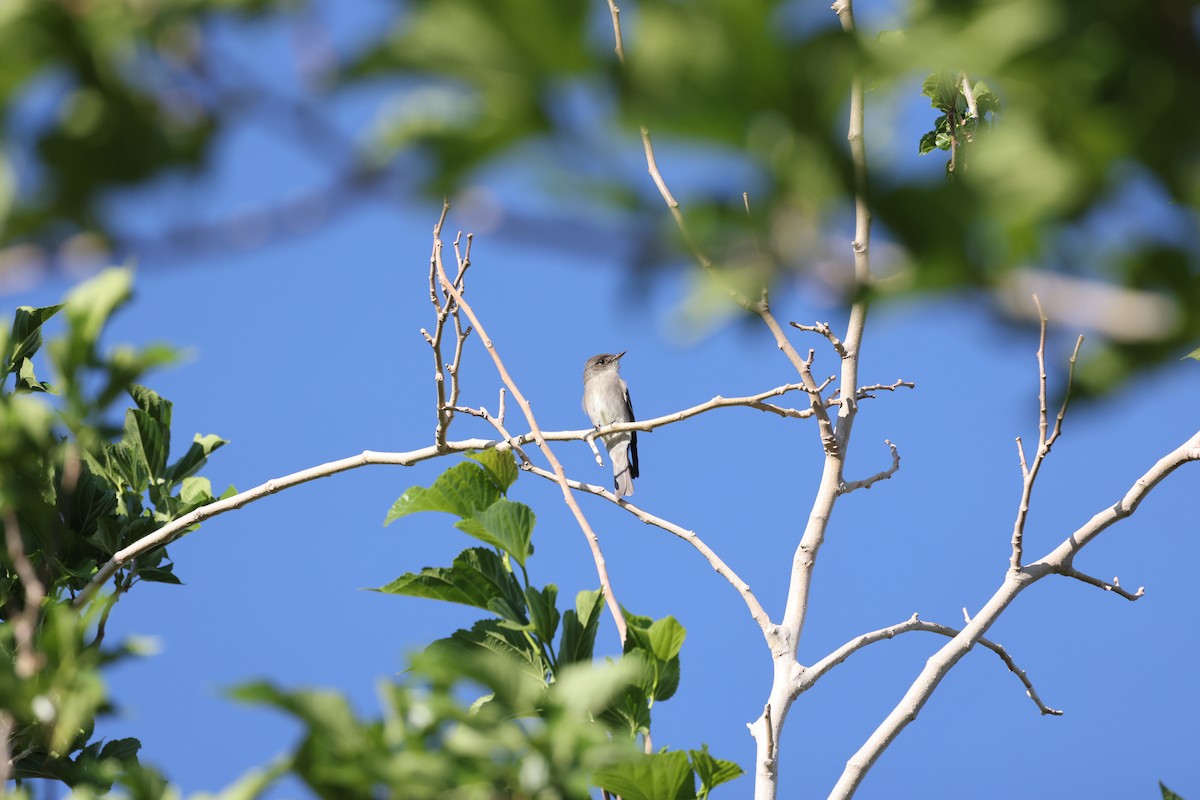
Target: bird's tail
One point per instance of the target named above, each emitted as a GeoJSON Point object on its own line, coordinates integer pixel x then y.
{"type": "Point", "coordinates": [622, 472]}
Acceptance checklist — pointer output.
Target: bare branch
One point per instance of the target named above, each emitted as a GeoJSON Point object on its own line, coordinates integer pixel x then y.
{"type": "Point", "coordinates": [1062, 412]}
{"type": "Point", "coordinates": [1114, 587]}
{"type": "Point", "coordinates": [848, 487]}
{"type": "Point", "coordinates": [913, 623]}
{"type": "Point", "coordinates": [512, 441]}
{"type": "Point", "coordinates": [177, 527]}
{"type": "Point", "coordinates": [616, 21]}
{"type": "Point", "coordinates": [1057, 561]}
{"type": "Point", "coordinates": [823, 329]}
{"type": "Point", "coordinates": [757, 612]}
{"type": "Point", "coordinates": [869, 391]}
{"type": "Point", "coordinates": [593, 541]}
{"type": "Point", "coordinates": [1046, 438]}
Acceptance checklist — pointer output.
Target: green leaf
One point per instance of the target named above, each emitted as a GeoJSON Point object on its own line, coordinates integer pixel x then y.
{"type": "Point", "coordinates": [461, 490]}
{"type": "Point", "coordinates": [477, 578]}
{"type": "Point", "coordinates": [666, 638]}
{"type": "Point", "coordinates": [580, 627]}
{"type": "Point", "coordinates": [986, 100]}
{"type": "Point", "coordinates": [712, 771]}
{"type": "Point", "coordinates": [501, 466]}
{"type": "Point", "coordinates": [196, 492]}
{"type": "Point", "coordinates": [1194, 354]}
{"type": "Point", "coordinates": [159, 575]}
{"type": "Point", "coordinates": [88, 308]}
{"type": "Point", "coordinates": [26, 336]}
{"type": "Point", "coordinates": [543, 612]}
{"type": "Point", "coordinates": [660, 776]}
{"type": "Point", "coordinates": [121, 749]}
{"type": "Point", "coordinates": [928, 143]}
{"type": "Point", "coordinates": [1167, 794]}
{"type": "Point", "coordinates": [489, 636]}
{"type": "Point", "coordinates": [148, 439]}
{"type": "Point", "coordinates": [152, 403]}
{"type": "Point", "coordinates": [941, 89]}
{"type": "Point", "coordinates": [191, 461]}
{"type": "Point", "coordinates": [629, 710]}
{"type": "Point", "coordinates": [503, 524]}
{"type": "Point", "coordinates": [653, 639]}
{"type": "Point", "coordinates": [27, 381]}
{"type": "Point", "coordinates": [327, 713]}
{"type": "Point", "coordinates": [666, 679]}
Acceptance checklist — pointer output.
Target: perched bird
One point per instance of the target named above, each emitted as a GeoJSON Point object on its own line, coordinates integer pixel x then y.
{"type": "Point", "coordinates": [606, 400]}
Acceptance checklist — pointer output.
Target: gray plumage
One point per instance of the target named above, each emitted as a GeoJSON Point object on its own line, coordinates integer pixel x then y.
{"type": "Point", "coordinates": [606, 401]}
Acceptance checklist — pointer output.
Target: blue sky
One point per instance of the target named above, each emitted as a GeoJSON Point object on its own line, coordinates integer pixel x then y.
{"type": "Point", "coordinates": [308, 350]}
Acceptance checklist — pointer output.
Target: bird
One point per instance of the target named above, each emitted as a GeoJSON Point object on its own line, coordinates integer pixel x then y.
{"type": "Point", "coordinates": [606, 401]}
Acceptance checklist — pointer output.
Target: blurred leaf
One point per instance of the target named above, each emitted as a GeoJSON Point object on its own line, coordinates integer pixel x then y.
{"type": "Point", "coordinates": [88, 307]}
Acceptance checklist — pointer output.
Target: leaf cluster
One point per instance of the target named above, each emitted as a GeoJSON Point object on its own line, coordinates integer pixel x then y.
{"type": "Point", "coordinates": [74, 489]}
{"type": "Point", "coordinates": [956, 126]}
{"type": "Point", "coordinates": [755, 88]}
{"type": "Point", "coordinates": [547, 652]}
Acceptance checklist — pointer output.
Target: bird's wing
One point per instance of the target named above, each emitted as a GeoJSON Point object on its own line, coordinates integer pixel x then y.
{"type": "Point", "coordinates": [633, 459]}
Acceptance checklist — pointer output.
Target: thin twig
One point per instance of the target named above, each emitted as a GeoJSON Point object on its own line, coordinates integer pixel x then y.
{"type": "Point", "coordinates": [913, 623]}
{"type": "Point", "coordinates": [823, 329]}
{"type": "Point", "coordinates": [1114, 587]}
{"type": "Point", "coordinates": [849, 486]}
{"type": "Point", "coordinates": [1046, 437]}
{"type": "Point", "coordinates": [593, 540]}
{"type": "Point", "coordinates": [1057, 561]}
{"type": "Point", "coordinates": [619, 49]}
{"type": "Point", "coordinates": [757, 612]}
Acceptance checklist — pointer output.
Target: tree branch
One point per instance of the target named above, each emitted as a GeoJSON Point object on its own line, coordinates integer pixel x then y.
{"type": "Point", "coordinates": [1046, 438]}
{"type": "Point", "coordinates": [593, 541]}
{"type": "Point", "coordinates": [1057, 561]}
{"type": "Point", "coordinates": [867, 483]}
{"type": "Point", "coordinates": [913, 623]}
{"type": "Point", "coordinates": [1114, 587]}
{"type": "Point", "coordinates": [719, 566]}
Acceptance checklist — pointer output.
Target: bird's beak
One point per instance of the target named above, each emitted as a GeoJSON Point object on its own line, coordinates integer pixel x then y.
{"type": "Point", "coordinates": [618, 356]}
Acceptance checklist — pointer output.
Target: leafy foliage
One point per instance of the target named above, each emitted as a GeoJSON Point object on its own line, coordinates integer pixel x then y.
{"type": "Point", "coordinates": [75, 489]}
{"type": "Point", "coordinates": [959, 124]}
{"type": "Point", "coordinates": [521, 634]}
{"type": "Point", "coordinates": [758, 85]}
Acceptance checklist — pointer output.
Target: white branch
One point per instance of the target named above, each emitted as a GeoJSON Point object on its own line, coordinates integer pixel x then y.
{"type": "Point", "coordinates": [913, 623]}
{"type": "Point", "coordinates": [724, 570]}
{"type": "Point", "coordinates": [1057, 561]}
